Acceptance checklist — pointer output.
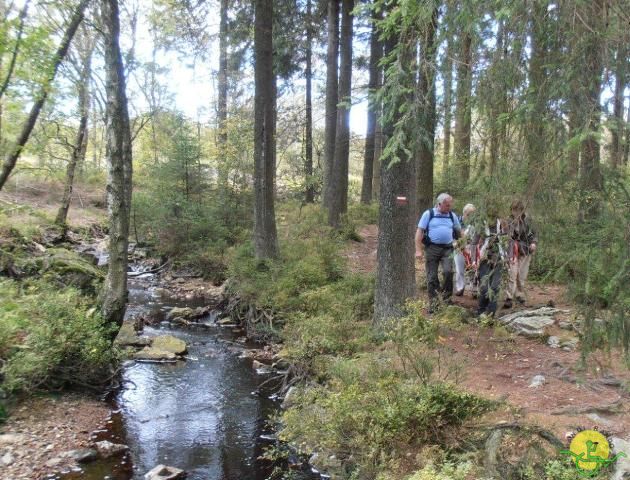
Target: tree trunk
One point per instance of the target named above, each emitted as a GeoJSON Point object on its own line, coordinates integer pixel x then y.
{"type": "Point", "coordinates": [497, 102]}
{"type": "Point", "coordinates": [573, 148]}
{"type": "Point", "coordinates": [426, 99]}
{"type": "Point", "coordinates": [537, 98]}
{"type": "Point", "coordinates": [339, 175]}
{"type": "Point", "coordinates": [463, 110]}
{"type": "Point", "coordinates": [265, 236]}
{"type": "Point", "coordinates": [590, 91]}
{"type": "Point", "coordinates": [448, 89]}
{"type": "Point", "coordinates": [222, 95]}
{"type": "Point", "coordinates": [15, 151]}
{"type": "Point", "coordinates": [378, 148]}
{"type": "Point", "coordinates": [617, 130]}
{"type": "Point", "coordinates": [14, 54]}
{"type": "Point", "coordinates": [332, 95]}
{"type": "Point", "coordinates": [395, 271]}
{"type": "Point", "coordinates": [376, 52]}
{"type": "Point", "coordinates": [309, 195]}
{"type": "Point", "coordinates": [80, 144]}
{"type": "Point", "coordinates": [118, 154]}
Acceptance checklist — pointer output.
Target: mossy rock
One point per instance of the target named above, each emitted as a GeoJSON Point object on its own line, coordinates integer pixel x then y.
{"type": "Point", "coordinates": [154, 355]}
{"type": "Point", "coordinates": [169, 343]}
{"type": "Point", "coordinates": [69, 268]}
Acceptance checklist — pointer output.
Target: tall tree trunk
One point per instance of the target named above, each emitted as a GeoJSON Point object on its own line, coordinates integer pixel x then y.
{"type": "Point", "coordinates": [376, 53]}
{"type": "Point", "coordinates": [590, 91]}
{"type": "Point", "coordinates": [497, 104]}
{"type": "Point", "coordinates": [265, 236]}
{"type": "Point", "coordinates": [222, 95]}
{"type": "Point", "coordinates": [15, 151]}
{"type": "Point", "coordinates": [378, 146]}
{"type": "Point", "coordinates": [617, 131]}
{"type": "Point", "coordinates": [573, 148]}
{"type": "Point", "coordinates": [448, 90]}
{"type": "Point", "coordinates": [395, 271]}
{"type": "Point", "coordinates": [332, 95]}
{"type": "Point", "coordinates": [80, 143]}
{"type": "Point", "coordinates": [309, 196]}
{"type": "Point", "coordinates": [537, 97]}
{"type": "Point", "coordinates": [14, 54]}
{"type": "Point", "coordinates": [426, 99]}
{"type": "Point", "coordinates": [118, 154]}
{"type": "Point", "coordinates": [339, 176]}
{"type": "Point", "coordinates": [463, 109]}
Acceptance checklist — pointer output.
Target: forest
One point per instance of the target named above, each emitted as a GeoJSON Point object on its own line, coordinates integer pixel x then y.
{"type": "Point", "coordinates": [220, 257]}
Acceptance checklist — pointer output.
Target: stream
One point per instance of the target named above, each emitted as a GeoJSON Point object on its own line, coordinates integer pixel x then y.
{"type": "Point", "coordinates": [206, 415]}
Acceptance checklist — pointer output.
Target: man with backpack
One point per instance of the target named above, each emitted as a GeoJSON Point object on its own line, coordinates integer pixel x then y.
{"type": "Point", "coordinates": [437, 229]}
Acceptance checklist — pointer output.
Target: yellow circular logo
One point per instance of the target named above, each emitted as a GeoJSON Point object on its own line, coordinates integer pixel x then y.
{"type": "Point", "coordinates": [589, 447]}
{"type": "Point", "coordinates": [589, 450]}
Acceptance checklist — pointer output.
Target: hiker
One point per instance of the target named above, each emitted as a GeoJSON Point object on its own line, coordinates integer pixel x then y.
{"type": "Point", "coordinates": [492, 256]}
{"type": "Point", "coordinates": [522, 246]}
{"type": "Point", "coordinates": [466, 256]}
{"type": "Point", "coordinates": [437, 229]}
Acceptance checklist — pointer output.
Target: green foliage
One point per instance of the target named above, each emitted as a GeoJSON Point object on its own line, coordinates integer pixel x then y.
{"type": "Point", "coordinates": [50, 337]}
{"type": "Point", "coordinates": [363, 423]}
{"type": "Point", "coordinates": [447, 471]}
{"type": "Point", "coordinates": [178, 210]}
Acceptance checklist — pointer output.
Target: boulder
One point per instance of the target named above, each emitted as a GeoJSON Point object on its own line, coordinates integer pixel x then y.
{"type": "Point", "coordinates": [107, 449]}
{"type": "Point", "coordinates": [186, 313]}
{"type": "Point", "coordinates": [537, 381]}
{"type": "Point", "coordinates": [127, 337]}
{"type": "Point", "coordinates": [83, 455]}
{"type": "Point", "coordinates": [162, 472]}
{"type": "Point", "coordinates": [169, 343]}
{"type": "Point", "coordinates": [622, 465]}
{"type": "Point", "coordinates": [530, 323]}
{"type": "Point", "coordinates": [152, 354]}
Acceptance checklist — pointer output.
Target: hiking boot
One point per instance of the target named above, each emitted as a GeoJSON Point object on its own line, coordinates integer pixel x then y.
{"type": "Point", "coordinates": [508, 303]}
{"type": "Point", "coordinates": [520, 300]}
{"type": "Point", "coordinates": [459, 293]}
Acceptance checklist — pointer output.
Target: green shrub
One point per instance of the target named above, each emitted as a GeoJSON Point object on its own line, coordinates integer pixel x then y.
{"type": "Point", "coordinates": [50, 337]}
{"type": "Point", "coordinates": [363, 423]}
{"type": "Point", "coordinates": [447, 471]}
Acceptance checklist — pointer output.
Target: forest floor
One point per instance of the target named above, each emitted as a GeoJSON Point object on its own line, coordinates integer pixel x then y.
{"type": "Point", "coordinates": [500, 366]}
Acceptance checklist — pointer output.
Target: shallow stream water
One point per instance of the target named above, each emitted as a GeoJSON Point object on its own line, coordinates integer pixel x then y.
{"type": "Point", "coordinates": [205, 415]}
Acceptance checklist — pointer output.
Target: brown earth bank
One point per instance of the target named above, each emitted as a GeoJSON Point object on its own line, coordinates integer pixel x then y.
{"type": "Point", "coordinates": [41, 431]}
{"type": "Point", "coordinates": [501, 366]}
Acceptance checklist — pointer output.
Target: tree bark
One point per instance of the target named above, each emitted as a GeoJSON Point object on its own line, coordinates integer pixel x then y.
{"type": "Point", "coordinates": [338, 190]}
{"type": "Point", "coordinates": [119, 166]}
{"type": "Point", "coordinates": [497, 101]}
{"type": "Point", "coordinates": [14, 54]}
{"type": "Point", "coordinates": [590, 92]}
{"type": "Point", "coordinates": [222, 95]}
{"type": "Point", "coordinates": [309, 195]}
{"type": "Point", "coordinates": [265, 236]}
{"type": "Point", "coordinates": [537, 97]}
{"type": "Point", "coordinates": [80, 143]}
{"type": "Point", "coordinates": [395, 271]}
{"type": "Point", "coordinates": [332, 95]}
{"type": "Point", "coordinates": [376, 53]}
{"type": "Point", "coordinates": [617, 130]}
{"type": "Point", "coordinates": [448, 90]}
{"type": "Point", "coordinates": [15, 151]}
{"type": "Point", "coordinates": [426, 100]}
{"type": "Point", "coordinates": [463, 109]}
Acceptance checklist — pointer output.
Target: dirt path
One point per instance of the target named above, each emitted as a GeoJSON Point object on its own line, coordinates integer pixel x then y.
{"type": "Point", "coordinates": [500, 366]}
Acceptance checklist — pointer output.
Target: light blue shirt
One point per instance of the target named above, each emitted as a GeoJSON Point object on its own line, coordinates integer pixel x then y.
{"type": "Point", "coordinates": [441, 228]}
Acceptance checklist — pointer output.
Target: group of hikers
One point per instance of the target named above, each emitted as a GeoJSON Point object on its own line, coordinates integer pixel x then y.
{"type": "Point", "coordinates": [480, 249]}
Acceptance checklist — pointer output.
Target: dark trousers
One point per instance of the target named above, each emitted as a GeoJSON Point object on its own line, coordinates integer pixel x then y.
{"type": "Point", "coordinates": [489, 284]}
{"type": "Point", "coordinates": [434, 256]}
